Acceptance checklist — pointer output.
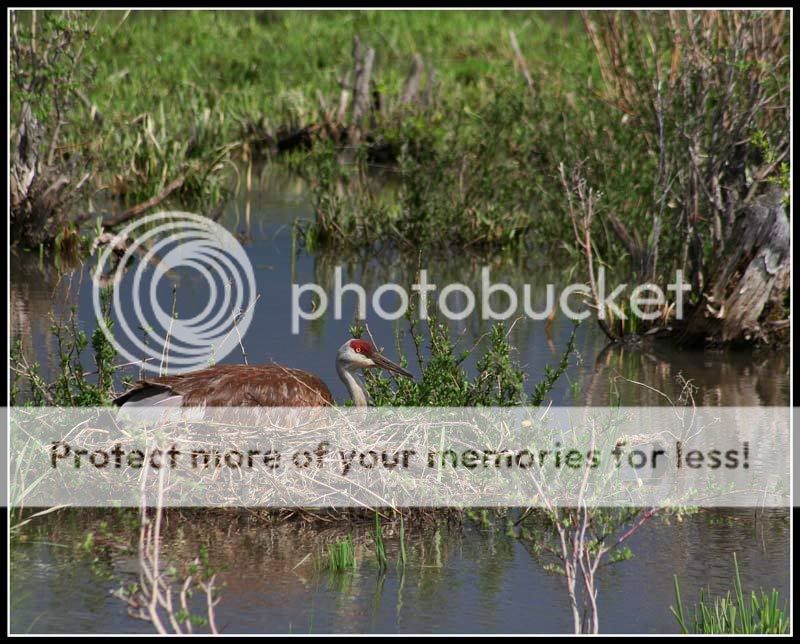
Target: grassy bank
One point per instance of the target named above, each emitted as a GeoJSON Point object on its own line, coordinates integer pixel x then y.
{"type": "Point", "coordinates": [168, 94]}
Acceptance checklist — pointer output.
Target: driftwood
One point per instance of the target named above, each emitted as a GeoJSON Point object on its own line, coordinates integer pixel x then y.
{"type": "Point", "coordinates": [344, 98]}
{"type": "Point", "coordinates": [361, 95]}
{"type": "Point", "coordinates": [752, 273]}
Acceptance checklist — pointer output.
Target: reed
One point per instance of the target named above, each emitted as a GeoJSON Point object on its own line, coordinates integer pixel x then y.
{"type": "Point", "coordinates": [760, 612]}
{"type": "Point", "coordinates": [342, 555]}
{"type": "Point", "coordinates": [380, 547]}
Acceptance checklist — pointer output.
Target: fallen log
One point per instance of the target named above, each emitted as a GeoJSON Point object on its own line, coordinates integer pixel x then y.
{"type": "Point", "coordinates": [361, 84]}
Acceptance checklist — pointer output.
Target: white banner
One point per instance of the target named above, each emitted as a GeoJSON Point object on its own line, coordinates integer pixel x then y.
{"type": "Point", "coordinates": [402, 457]}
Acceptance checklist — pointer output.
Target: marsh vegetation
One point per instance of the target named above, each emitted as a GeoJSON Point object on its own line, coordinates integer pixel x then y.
{"type": "Point", "coordinates": [664, 127]}
{"type": "Point", "coordinates": [644, 143]}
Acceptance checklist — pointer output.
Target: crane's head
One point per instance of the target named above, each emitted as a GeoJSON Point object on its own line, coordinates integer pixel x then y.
{"type": "Point", "coordinates": [361, 354]}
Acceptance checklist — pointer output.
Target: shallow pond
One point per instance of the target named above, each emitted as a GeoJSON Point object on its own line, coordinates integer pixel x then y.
{"type": "Point", "coordinates": [263, 219]}
{"type": "Point", "coordinates": [471, 579]}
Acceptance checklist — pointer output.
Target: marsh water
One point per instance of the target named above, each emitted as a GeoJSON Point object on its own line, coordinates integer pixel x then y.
{"type": "Point", "coordinates": [472, 578]}
{"type": "Point", "coordinates": [469, 579]}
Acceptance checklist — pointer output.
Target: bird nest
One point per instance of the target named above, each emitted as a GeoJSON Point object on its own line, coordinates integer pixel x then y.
{"type": "Point", "coordinates": [308, 460]}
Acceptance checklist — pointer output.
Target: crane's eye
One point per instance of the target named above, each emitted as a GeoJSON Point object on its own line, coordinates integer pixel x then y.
{"type": "Point", "coordinates": [358, 349]}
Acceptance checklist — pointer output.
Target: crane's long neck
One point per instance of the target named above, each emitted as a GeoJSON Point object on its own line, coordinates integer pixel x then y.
{"type": "Point", "coordinates": [354, 386]}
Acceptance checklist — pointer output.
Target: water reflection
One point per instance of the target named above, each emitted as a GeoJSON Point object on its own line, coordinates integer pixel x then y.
{"type": "Point", "coordinates": [631, 375]}
{"type": "Point", "coordinates": [466, 579]}
{"type": "Point", "coordinates": [43, 289]}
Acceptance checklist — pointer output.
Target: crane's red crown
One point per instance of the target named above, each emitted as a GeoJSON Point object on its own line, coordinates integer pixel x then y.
{"type": "Point", "coordinates": [362, 346]}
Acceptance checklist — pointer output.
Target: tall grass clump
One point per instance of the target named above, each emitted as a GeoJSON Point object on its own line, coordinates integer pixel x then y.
{"type": "Point", "coordinates": [342, 555]}
{"type": "Point", "coordinates": [698, 102]}
{"type": "Point", "coordinates": [735, 613]}
{"type": "Point", "coordinates": [380, 547]}
{"type": "Point", "coordinates": [157, 148]}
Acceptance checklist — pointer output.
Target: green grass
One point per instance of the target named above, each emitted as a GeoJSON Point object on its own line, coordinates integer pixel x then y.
{"type": "Point", "coordinates": [342, 555]}
{"type": "Point", "coordinates": [180, 90]}
{"type": "Point", "coordinates": [185, 93]}
{"type": "Point", "coordinates": [380, 547]}
{"type": "Point", "coordinates": [735, 613]}
{"type": "Point", "coordinates": [192, 94]}
{"type": "Point", "coordinates": [264, 62]}
{"type": "Point", "coordinates": [76, 384]}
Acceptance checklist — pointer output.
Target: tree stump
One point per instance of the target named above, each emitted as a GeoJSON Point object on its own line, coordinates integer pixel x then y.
{"type": "Point", "coordinates": [752, 272]}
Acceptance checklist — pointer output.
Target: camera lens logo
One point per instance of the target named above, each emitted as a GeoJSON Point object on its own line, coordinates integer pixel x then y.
{"type": "Point", "coordinates": [158, 248]}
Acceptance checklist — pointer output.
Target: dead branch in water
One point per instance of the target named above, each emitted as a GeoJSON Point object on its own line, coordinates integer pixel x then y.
{"type": "Point", "coordinates": [134, 212]}
{"type": "Point", "coordinates": [582, 215]}
{"type": "Point", "coordinates": [139, 209]}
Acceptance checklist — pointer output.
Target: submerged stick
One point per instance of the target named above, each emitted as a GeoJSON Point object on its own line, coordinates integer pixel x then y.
{"type": "Point", "coordinates": [139, 209]}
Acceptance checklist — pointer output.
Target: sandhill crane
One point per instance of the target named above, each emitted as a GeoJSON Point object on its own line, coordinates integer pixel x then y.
{"type": "Point", "coordinates": [260, 385]}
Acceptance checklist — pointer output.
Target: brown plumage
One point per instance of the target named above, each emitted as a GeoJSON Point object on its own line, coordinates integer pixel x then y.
{"type": "Point", "coordinates": [233, 386]}
{"type": "Point", "coordinates": [260, 386]}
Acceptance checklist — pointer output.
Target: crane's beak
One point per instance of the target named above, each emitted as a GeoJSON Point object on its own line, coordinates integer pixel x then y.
{"type": "Point", "coordinates": [385, 363]}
